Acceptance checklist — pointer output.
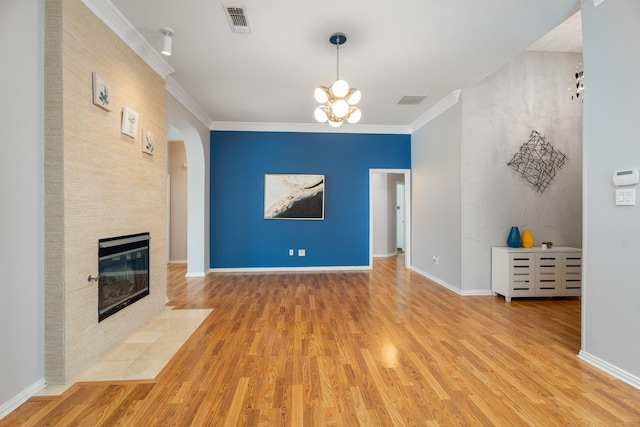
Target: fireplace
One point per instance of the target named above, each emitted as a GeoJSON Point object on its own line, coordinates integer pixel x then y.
{"type": "Point", "coordinates": [123, 272]}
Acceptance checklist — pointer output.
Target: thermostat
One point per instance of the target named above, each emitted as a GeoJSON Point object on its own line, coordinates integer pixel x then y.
{"type": "Point", "coordinates": [628, 177]}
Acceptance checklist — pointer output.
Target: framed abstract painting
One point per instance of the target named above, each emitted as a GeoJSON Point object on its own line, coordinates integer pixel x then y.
{"type": "Point", "coordinates": [293, 196]}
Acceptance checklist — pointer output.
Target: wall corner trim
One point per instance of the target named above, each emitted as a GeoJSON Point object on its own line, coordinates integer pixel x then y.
{"type": "Point", "coordinates": [610, 369]}
{"type": "Point", "coordinates": [120, 25]}
{"type": "Point", "coordinates": [21, 397]}
{"type": "Point", "coordinates": [443, 105]}
{"type": "Point", "coordinates": [183, 98]}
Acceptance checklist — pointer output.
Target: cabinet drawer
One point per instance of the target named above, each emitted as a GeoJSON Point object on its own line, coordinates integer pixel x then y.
{"type": "Point", "coordinates": [548, 274]}
{"type": "Point", "coordinates": [572, 274]}
{"type": "Point", "coordinates": [521, 274]}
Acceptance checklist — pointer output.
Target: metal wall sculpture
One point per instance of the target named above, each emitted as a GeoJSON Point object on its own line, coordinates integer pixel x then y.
{"type": "Point", "coordinates": [537, 161]}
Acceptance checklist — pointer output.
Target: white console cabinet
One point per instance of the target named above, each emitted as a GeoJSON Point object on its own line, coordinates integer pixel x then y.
{"type": "Point", "coordinates": [536, 272]}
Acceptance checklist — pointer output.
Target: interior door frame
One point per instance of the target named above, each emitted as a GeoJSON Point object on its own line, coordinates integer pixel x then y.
{"type": "Point", "coordinates": [407, 212]}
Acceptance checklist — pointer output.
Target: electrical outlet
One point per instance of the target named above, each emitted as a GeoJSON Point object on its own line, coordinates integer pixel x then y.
{"type": "Point", "coordinates": [302, 252]}
{"type": "Point", "coordinates": [290, 252]}
{"type": "Point", "coordinates": [435, 259]}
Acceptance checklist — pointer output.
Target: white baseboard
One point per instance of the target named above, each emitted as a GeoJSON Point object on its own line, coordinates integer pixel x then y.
{"type": "Point", "coordinates": [289, 269]}
{"type": "Point", "coordinates": [188, 275]}
{"type": "Point", "coordinates": [385, 255]}
{"type": "Point", "coordinates": [437, 280]}
{"type": "Point", "coordinates": [477, 293]}
{"type": "Point", "coordinates": [607, 367]}
{"type": "Point", "coordinates": [12, 405]}
{"type": "Point", "coordinates": [466, 293]}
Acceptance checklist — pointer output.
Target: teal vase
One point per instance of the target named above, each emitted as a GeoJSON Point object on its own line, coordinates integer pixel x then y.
{"type": "Point", "coordinates": [514, 238]}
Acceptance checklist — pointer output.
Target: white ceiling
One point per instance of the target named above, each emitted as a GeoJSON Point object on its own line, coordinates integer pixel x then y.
{"type": "Point", "coordinates": [394, 48]}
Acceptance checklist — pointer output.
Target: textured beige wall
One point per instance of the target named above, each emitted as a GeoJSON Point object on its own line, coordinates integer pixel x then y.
{"type": "Point", "coordinates": [109, 187]}
{"type": "Point", "coordinates": [54, 194]}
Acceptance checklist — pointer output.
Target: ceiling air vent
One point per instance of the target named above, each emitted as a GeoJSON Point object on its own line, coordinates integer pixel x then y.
{"type": "Point", "coordinates": [411, 100]}
{"type": "Point", "coordinates": [238, 20]}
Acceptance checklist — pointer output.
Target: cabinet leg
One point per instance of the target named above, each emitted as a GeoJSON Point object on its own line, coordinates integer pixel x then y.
{"type": "Point", "coordinates": [507, 299]}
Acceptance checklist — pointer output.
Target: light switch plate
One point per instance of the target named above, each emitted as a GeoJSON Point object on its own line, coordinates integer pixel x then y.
{"type": "Point", "coordinates": [625, 196]}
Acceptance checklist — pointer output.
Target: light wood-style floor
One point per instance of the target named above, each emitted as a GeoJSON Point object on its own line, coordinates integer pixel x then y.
{"type": "Point", "coordinates": [386, 347]}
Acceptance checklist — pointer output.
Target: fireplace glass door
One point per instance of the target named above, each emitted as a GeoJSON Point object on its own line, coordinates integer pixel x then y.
{"type": "Point", "coordinates": [123, 272]}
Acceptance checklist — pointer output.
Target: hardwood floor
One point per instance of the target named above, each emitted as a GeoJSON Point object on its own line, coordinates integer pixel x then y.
{"type": "Point", "coordinates": [386, 347]}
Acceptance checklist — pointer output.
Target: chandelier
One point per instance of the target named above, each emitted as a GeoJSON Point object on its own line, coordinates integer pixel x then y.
{"type": "Point", "coordinates": [579, 85]}
{"type": "Point", "coordinates": [338, 100]}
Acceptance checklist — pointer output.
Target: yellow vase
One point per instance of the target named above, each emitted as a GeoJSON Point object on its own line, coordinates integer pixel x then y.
{"type": "Point", "coordinates": [527, 239]}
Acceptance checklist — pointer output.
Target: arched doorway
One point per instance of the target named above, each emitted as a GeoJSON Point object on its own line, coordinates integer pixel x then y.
{"type": "Point", "coordinates": [197, 229]}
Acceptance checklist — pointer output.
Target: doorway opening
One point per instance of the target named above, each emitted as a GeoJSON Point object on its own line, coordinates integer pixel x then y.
{"type": "Point", "coordinates": [384, 207]}
{"type": "Point", "coordinates": [400, 216]}
{"type": "Point", "coordinates": [197, 251]}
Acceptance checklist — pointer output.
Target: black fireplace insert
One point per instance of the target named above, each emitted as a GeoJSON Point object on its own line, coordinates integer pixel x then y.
{"type": "Point", "coordinates": [123, 272]}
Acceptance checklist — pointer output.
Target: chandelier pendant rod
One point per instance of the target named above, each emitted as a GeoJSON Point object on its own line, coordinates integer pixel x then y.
{"type": "Point", "coordinates": [338, 61]}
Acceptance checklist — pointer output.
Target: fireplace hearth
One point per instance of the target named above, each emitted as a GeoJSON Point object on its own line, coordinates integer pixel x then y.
{"type": "Point", "coordinates": [123, 272]}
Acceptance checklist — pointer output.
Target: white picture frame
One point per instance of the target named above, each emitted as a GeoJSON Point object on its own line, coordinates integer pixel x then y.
{"type": "Point", "coordinates": [101, 92]}
{"type": "Point", "coordinates": [130, 121]}
{"type": "Point", "coordinates": [148, 145]}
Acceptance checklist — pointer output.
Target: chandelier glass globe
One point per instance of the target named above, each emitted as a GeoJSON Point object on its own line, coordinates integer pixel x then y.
{"type": "Point", "coordinates": [340, 88]}
{"type": "Point", "coordinates": [321, 95]}
{"type": "Point", "coordinates": [340, 108]}
{"type": "Point", "coordinates": [355, 116]}
{"type": "Point", "coordinates": [320, 115]}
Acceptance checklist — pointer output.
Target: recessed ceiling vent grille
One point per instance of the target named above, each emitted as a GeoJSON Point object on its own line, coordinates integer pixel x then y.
{"type": "Point", "coordinates": [411, 100]}
{"type": "Point", "coordinates": [238, 20]}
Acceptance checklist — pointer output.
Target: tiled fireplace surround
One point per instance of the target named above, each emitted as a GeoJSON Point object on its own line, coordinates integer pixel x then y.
{"type": "Point", "coordinates": [98, 183]}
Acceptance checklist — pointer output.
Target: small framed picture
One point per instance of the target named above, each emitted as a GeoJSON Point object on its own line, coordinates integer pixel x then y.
{"type": "Point", "coordinates": [101, 92]}
{"type": "Point", "coordinates": [129, 122]}
{"type": "Point", "coordinates": [147, 142]}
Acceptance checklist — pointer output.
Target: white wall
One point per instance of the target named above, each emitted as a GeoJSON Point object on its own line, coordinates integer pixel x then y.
{"type": "Point", "coordinates": [611, 296]}
{"type": "Point", "coordinates": [435, 169]}
{"type": "Point", "coordinates": [22, 194]}
{"type": "Point", "coordinates": [498, 115]}
{"type": "Point", "coordinates": [178, 202]}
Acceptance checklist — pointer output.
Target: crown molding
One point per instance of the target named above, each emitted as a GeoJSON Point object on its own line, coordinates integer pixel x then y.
{"type": "Point", "coordinates": [597, 3]}
{"type": "Point", "coordinates": [185, 99]}
{"type": "Point", "coordinates": [106, 11]}
{"type": "Point", "coordinates": [120, 25]}
{"type": "Point", "coordinates": [309, 128]}
{"type": "Point", "coordinates": [443, 105]}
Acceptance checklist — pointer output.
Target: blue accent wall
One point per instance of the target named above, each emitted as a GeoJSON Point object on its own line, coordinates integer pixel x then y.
{"type": "Point", "coordinates": [241, 237]}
